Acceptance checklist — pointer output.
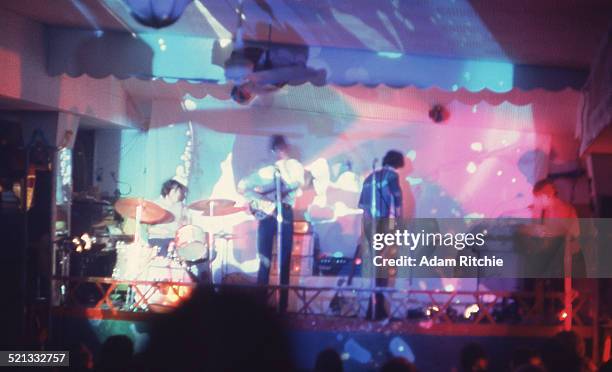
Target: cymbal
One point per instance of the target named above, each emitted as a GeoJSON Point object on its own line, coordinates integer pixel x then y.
{"type": "Point", "coordinates": [151, 213]}
{"type": "Point", "coordinates": [220, 207]}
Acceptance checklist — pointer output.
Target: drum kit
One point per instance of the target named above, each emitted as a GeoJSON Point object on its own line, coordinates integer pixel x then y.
{"type": "Point", "coordinates": [191, 246]}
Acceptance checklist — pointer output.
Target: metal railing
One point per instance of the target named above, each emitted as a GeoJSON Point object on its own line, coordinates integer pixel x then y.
{"type": "Point", "coordinates": [437, 306]}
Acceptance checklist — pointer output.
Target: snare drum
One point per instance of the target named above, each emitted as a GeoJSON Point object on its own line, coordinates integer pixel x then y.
{"type": "Point", "coordinates": [191, 243]}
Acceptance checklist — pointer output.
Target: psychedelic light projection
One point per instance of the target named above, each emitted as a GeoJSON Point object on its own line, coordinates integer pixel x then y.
{"type": "Point", "coordinates": [173, 57]}
{"type": "Point", "coordinates": [439, 186]}
{"type": "Point", "coordinates": [183, 171]}
{"type": "Point", "coordinates": [489, 174]}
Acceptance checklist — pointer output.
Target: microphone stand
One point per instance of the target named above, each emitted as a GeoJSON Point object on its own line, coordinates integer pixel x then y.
{"type": "Point", "coordinates": [279, 229]}
{"type": "Point", "coordinates": [373, 214]}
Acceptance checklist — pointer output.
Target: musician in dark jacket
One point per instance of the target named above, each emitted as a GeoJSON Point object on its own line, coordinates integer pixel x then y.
{"type": "Point", "coordinates": [386, 201]}
{"type": "Point", "coordinates": [381, 201]}
{"type": "Point", "coordinates": [260, 188]}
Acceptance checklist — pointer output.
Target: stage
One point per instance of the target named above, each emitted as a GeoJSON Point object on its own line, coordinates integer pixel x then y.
{"type": "Point", "coordinates": [244, 184]}
{"type": "Point", "coordinates": [422, 323]}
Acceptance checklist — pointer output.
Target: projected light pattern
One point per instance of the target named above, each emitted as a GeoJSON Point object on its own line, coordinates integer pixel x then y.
{"type": "Point", "coordinates": [489, 174]}
{"type": "Point", "coordinates": [174, 57]}
{"type": "Point", "coordinates": [356, 351]}
{"type": "Point", "coordinates": [363, 45]}
{"type": "Point", "coordinates": [220, 31]}
{"type": "Point", "coordinates": [437, 177]}
{"type": "Point", "coordinates": [442, 188]}
{"type": "Point", "coordinates": [103, 329]}
{"type": "Point", "coordinates": [400, 348]}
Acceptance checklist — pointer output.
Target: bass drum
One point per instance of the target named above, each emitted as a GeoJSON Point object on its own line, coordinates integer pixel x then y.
{"type": "Point", "coordinates": [168, 292]}
{"type": "Point", "coordinates": [132, 260]}
{"type": "Point", "coordinates": [191, 243]}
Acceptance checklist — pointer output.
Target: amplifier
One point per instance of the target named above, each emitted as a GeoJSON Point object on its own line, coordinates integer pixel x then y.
{"type": "Point", "coordinates": [336, 266]}
{"type": "Point", "coordinates": [302, 255]}
{"type": "Point", "coordinates": [303, 245]}
{"type": "Point", "coordinates": [300, 265]}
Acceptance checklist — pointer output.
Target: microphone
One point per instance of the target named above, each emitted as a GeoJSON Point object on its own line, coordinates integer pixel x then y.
{"type": "Point", "coordinates": [374, 163]}
{"type": "Point", "coordinates": [277, 171]}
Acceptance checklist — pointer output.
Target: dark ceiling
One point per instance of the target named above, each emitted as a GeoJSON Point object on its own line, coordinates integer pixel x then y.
{"type": "Point", "coordinates": [562, 33]}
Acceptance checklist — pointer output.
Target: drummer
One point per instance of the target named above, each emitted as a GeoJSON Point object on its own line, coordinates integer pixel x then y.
{"type": "Point", "coordinates": [173, 194]}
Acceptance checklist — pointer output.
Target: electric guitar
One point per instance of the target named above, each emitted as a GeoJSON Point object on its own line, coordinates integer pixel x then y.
{"type": "Point", "coordinates": [262, 203]}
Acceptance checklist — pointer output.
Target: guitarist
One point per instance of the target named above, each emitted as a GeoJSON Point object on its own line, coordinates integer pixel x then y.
{"type": "Point", "coordinates": [381, 201]}
{"type": "Point", "coordinates": [260, 189]}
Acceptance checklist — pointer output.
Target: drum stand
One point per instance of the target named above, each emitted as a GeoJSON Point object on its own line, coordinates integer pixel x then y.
{"type": "Point", "coordinates": [130, 296]}
{"type": "Point", "coordinates": [212, 250]}
{"type": "Point", "coordinates": [140, 245]}
{"type": "Point", "coordinates": [224, 255]}
{"type": "Point", "coordinates": [150, 290]}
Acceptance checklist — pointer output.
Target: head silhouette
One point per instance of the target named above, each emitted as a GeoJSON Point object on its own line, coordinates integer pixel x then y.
{"type": "Point", "coordinates": [219, 331]}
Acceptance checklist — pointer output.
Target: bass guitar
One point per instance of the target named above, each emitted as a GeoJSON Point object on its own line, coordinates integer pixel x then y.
{"type": "Point", "coordinates": [262, 203]}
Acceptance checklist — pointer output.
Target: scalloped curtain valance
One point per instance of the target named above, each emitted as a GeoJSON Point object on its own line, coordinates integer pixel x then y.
{"type": "Point", "coordinates": [191, 59]}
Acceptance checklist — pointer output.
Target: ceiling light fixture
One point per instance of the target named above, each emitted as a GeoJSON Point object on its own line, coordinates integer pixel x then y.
{"type": "Point", "coordinates": [157, 13]}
